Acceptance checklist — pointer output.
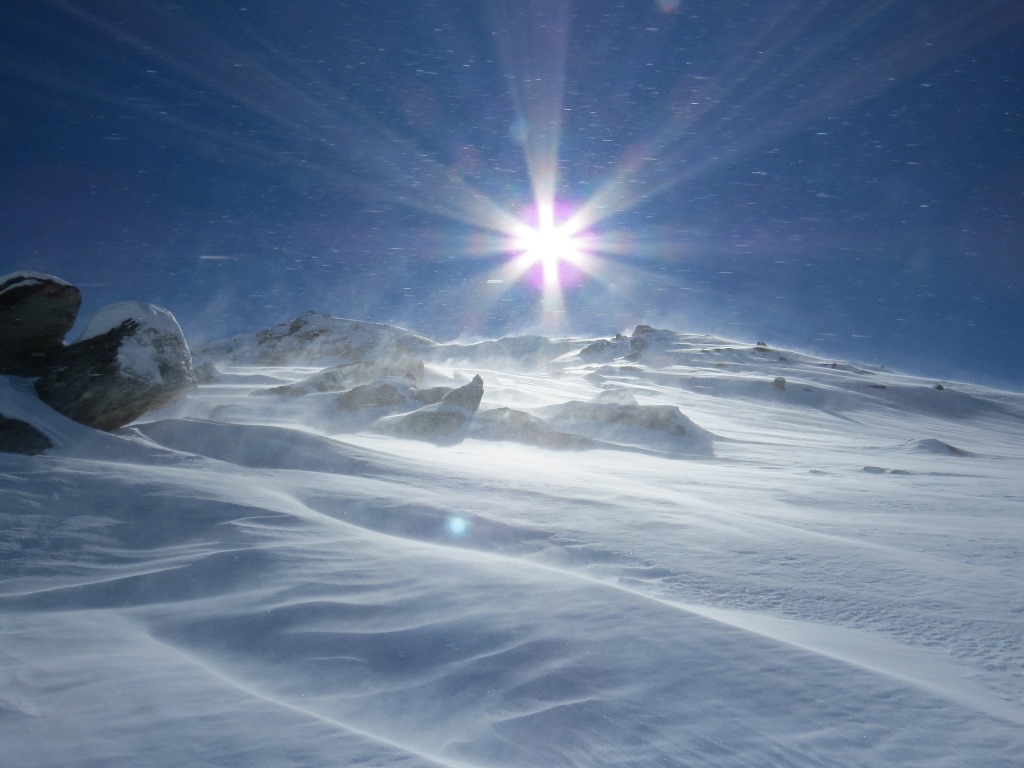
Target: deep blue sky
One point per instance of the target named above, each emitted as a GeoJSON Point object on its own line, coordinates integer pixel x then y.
{"type": "Point", "coordinates": [842, 177]}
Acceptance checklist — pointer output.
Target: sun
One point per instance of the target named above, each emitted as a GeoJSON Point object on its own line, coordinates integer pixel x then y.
{"type": "Point", "coordinates": [548, 245]}
{"type": "Point", "coordinates": [552, 250]}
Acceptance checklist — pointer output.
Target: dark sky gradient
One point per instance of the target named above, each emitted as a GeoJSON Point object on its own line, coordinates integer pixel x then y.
{"type": "Point", "coordinates": [842, 177]}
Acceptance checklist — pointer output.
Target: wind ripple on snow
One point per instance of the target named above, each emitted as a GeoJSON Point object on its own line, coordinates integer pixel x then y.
{"type": "Point", "coordinates": [190, 592]}
{"type": "Point", "coordinates": [256, 446]}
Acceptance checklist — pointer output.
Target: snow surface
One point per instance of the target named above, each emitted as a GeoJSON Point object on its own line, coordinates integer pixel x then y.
{"type": "Point", "coordinates": [715, 572]}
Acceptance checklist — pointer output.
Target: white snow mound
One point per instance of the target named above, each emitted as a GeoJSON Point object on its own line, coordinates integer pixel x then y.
{"type": "Point", "coordinates": [548, 569]}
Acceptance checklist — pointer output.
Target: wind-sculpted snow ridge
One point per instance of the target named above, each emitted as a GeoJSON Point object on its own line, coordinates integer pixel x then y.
{"type": "Point", "coordinates": [315, 337]}
{"type": "Point", "coordinates": [375, 385]}
{"type": "Point", "coordinates": [514, 353]}
{"type": "Point", "coordinates": [654, 549]}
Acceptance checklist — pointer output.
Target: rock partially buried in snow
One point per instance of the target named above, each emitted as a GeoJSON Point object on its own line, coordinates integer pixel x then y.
{"type": "Point", "coordinates": [16, 436]}
{"type": "Point", "coordinates": [430, 395]}
{"type": "Point", "coordinates": [658, 427]}
{"type": "Point", "coordinates": [341, 377]}
{"type": "Point", "coordinates": [131, 359]}
{"type": "Point", "coordinates": [445, 422]}
{"type": "Point", "coordinates": [605, 350]}
{"type": "Point", "coordinates": [380, 394]}
{"type": "Point", "coordinates": [36, 313]}
{"type": "Point", "coordinates": [937, 447]}
{"type": "Point", "coordinates": [464, 399]}
{"type": "Point", "coordinates": [525, 353]}
{"type": "Point", "coordinates": [650, 344]}
{"type": "Point", "coordinates": [206, 372]}
{"type": "Point", "coordinates": [507, 424]}
{"type": "Point", "coordinates": [318, 338]}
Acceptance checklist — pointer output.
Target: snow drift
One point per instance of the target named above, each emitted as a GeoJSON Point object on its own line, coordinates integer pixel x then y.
{"type": "Point", "coordinates": [639, 551]}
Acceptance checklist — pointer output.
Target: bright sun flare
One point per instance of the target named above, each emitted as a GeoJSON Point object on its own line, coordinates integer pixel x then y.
{"type": "Point", "coordinates": [552, 250]}
{"type": "Point", "coordinates": [549, 245]}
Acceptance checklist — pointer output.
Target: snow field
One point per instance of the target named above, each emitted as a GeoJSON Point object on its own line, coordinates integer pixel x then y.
{"type": "Point", "coordinates": [246, 581]}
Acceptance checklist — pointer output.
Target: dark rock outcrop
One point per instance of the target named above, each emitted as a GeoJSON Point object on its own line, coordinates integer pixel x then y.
{"type": "Point", "coordinates": [639, 341]}
{"type": "Point", "coordinates": [36, 313]}
{"type": "Point", "coordinates": [206, 372]}
{"type": "Point", "coordinates": [445, 422]}
{"type": "Point", "coordinates": [110, 379]}
{"type": "Point", "coordinates": [605, 350]}
{"type": "Point", "coordinates": [380, 394]}
{"type": "Point", "coordinates": [465, 399]}
{"type": "Point", "coordinates": [19, 437]}
{"type": "Point", "coordinates": [661, 427]}
{"type": "Point", "coordinates": [507, 424]}
{"type": "Point", "coordinates": [430, 395]}
{"type": "Point", "coordinates": [341, 377]}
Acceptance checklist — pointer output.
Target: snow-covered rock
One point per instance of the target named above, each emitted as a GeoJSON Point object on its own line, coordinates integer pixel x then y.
{"type": "Point", "coordinates": [511, 425]}
{"type": "Point", "coordinates": [464, 399]}
{"type": "Point", "coordinates": [341, 377]}
{"type": "Point", "coordinates": [17, 436]}
{"type": "Point", "coordinates": [606, 350]}
{"type": "Point", "coordinates": [525, 353]}
{"type": "Point", "coordinates": [36, 313]}
{"type": "Point", "coordinates": [652, 343]}
{"type": "Point", "coordinates": [446, 422]}
{"type": "Point", "coordinates": [657, 427]}
{"type": "Point", "coordinates": [936, 447]}
{"type": "Point", "coordinates": [130, 359]}
{"type": "Point", "coordinates": [318, 338]}
{"type": "Point", "coordinates": [430, 395]}
{"type": "Point", "coordinates": [379, 394]}
{"type": "Point", "coordinates": [206, 372]}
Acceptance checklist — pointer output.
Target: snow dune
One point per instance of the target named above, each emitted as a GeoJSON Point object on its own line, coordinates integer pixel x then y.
{"type": "Point", "coordinates": [647, 554]}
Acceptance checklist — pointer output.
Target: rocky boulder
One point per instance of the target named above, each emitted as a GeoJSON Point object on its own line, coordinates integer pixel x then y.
{"type": "Point", "coordinates": [206, 372]}
{"type": "Point", "coordinates": [36, 313]}
{"type": "Point", "coordinates": [640, 341]}
{"type": "Point", "coordinates": [507, 424]}
{"type": "Point", "coordinates": [465, 399]}
{"type": "Point", "coordinates": [380, 394]}
{"type": "Point", "coordinates": [520, 353]}
{"type": "Point", "coordinates": [341, 377]}
{"type": "Point", "coordinates": [430, 395]}
{"type": "Point", "coordinates": [316, 338]}
{"type": "Point", "coordinates": [445, 422]}
{"type": "Point", "coordinates": [605, 350]}
{"type": "Point", "coordinates": [19, 437]}
{"type": "Point", "coordinates": [658, 427]}
{"type": "Point", "coordinates": [132, 358]}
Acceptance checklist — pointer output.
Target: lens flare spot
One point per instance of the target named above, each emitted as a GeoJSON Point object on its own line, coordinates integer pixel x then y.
{"type": "Point", "coordinates": [458, 527]}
